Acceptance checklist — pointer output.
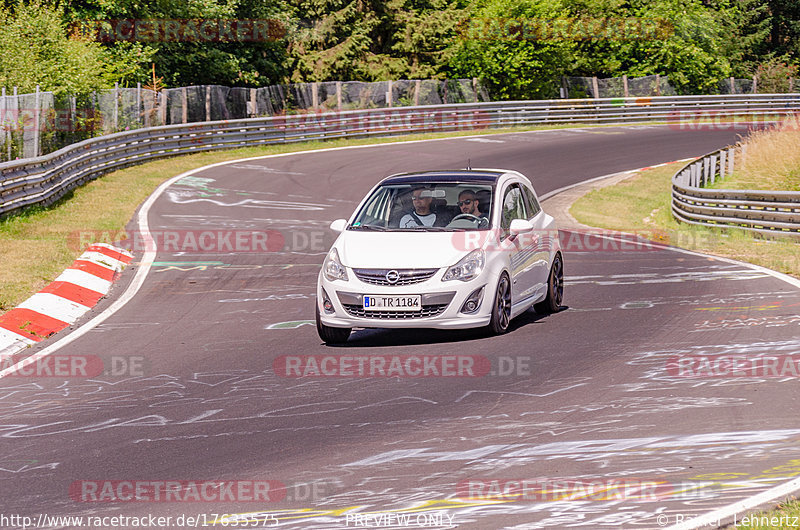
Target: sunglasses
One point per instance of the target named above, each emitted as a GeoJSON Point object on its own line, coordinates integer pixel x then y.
{"type": "Point", "coordinates": [465, 201]}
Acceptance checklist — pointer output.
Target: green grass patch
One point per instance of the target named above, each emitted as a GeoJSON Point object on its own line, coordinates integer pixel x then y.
{"type": "Point", "coordinates": [642, 204]}
{"type": "Point", "coordinates": [772, 161]}
{"type": "Point", "coordinates": [783, 516]}
{"type": "Point", "coordinates": [34, 246]}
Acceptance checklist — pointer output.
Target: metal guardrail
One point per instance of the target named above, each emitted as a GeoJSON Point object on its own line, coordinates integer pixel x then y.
{"type": "Point", "coordinates": [770, 213]}
{"type": "Point", "coordinates": [44, 179]}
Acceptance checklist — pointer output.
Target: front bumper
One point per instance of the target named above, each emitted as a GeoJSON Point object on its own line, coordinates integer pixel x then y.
{"type": "Point", "coordinates": [441, 304]}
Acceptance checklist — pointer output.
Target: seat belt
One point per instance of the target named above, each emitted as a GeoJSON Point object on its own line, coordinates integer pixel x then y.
{"type": "Point", "coordinates": [417, 219]}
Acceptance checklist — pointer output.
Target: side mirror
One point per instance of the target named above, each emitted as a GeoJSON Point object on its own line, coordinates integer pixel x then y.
{"type": "Point", "coordinates": [520, 226]}
{"type": "Point", "coordinates": [339, 225]}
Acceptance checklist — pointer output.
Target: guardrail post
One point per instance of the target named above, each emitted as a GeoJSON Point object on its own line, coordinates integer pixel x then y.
{"type": "Point", "coordinates": [139, 104]}
{"type": "Point", "coordinates": [162, 108]}
{"type": "Point", "coordinates": [722, 160]}
{"type": "Point", "coordinates": [338, 95]}
{"type": "Point", "coordinates": [731, 154]}
{"type": "Point", "coordinates": [706, 168]}
{"type": "Point", "coordinates": [732, 85]}
{"type": "Point", "coordinates": [712, 170]}
{"type": "Point", "coordinates": [208, 103]}
{"type": "Point", "coordinates": [417, 85]}
{"type": "Point", "coordinates": [595, 88]}
{"type": "Point", "coordinates": [658, 84]}
{"type": "Point", "coordinates": [389, 94]}
{"type": "Point", "coordinates": [3, 109]}
{"type": "Point", "coordinates": [253, 103]}
{"type": "Point", "coordinates": [755, 85]}
{"type": "Point", "coordinates": [116, 106]}
{"type": "Point", "coordinates": [625, 85]}
{"type": "Point", "coordinates": [185, 104]}
{"type": "Point", "coordinates": [315, 95]}
{"type": "Point", "coordinates": [37, 102]}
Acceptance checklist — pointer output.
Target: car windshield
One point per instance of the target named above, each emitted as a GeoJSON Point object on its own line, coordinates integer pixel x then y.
{"type": "Point", "coordinates": [427, 206]}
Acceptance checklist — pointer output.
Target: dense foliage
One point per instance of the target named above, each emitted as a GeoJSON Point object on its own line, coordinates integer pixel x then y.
{"type": "Point", "coordinates": [520, 48]}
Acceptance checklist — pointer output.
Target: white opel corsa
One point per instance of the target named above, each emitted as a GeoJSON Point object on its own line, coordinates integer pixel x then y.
{"type": "Point", "coordinates": [441, 249]}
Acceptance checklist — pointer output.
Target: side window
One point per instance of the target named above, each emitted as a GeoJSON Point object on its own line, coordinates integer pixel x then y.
{"type": "Point", "coordinates": [513, 207]}
{"type": "Point", "coordinates": [530, 202]}
{"type": "Point", "coordinates": [375, 211]}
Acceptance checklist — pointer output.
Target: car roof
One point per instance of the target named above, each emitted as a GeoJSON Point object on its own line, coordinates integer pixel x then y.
{"type": "Point", "coordinates": [477, 176]}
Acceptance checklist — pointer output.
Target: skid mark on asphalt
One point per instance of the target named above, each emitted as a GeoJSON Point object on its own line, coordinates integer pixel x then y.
{"type": "Point", "coordinates": [659, 372]}
{"type": "Point", "coordinates": [655, 278]}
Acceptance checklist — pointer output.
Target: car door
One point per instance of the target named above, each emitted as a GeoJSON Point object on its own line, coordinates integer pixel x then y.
{"type": "Point", "coordinates": [540, 241]}
{"type": "Point", "coordinates": [519, 248]}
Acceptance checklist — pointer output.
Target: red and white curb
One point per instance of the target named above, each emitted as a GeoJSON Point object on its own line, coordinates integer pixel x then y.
{"type": "Point", "coordinates": [65, 300]}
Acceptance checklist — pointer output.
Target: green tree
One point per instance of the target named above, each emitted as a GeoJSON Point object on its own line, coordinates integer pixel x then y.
{"type": "Point", "coordinates": [684, 39]}
{"type": "Point", "coordinates": [249, 59]}
{"type": "Point", "coordinates": [372, 40]}
{"type": "Point", "coordinates": [769, 28]}
{"type": "Point", "coordinates": [36, 49]}
{"type": "Point", "coordinates": [511, 46]}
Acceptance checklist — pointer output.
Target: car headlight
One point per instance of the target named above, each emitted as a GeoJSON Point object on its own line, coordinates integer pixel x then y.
{"type": "Point", "coordinates": [333, 268]}
{"type": "Point", "coordinates": [469, 267]}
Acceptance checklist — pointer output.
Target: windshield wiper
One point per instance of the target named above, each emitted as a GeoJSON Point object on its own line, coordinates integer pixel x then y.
{"type": "Point", "coordinates": [377, 228]}
{"type": "Point", "coordinates": [426, 228]}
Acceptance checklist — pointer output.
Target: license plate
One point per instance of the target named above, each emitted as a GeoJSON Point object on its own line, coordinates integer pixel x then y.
{"type": "Point", "coordinates": [393, 303]}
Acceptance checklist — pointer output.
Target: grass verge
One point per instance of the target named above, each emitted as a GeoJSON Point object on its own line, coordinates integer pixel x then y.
{"type": "Point", "coordinates": [34, 243]}
{"type": "Point", "coordinates": [783, 516]}
{"type": "Point", "coordinates": [772, 161]}
{"type": "Point", "coordinates": [642, 204]}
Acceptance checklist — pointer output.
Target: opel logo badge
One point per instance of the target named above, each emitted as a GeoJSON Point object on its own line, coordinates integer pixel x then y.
{"type": "Point", "coordinates": [392, 276]}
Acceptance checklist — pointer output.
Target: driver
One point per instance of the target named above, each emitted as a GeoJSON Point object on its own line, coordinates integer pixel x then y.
{"type": "Point", "coordinates": [468, 203]}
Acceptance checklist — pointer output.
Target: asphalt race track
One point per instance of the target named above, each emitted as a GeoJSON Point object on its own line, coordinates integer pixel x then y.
{"type": "Point", "coordinates": [581, 395]}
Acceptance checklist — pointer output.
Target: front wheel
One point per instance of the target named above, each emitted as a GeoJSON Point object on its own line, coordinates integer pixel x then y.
{"type": "Point", "coordinates": [555, 289]}
{"type": "Point", "coordinates": [501, 310]}
{"type": "Point", "coordinates": [331, 335]}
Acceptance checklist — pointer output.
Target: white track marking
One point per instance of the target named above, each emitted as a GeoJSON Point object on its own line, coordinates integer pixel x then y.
{"type": "Point", "coordinates": [54, 306]}
{"type": "Point", "coordinates": [726, 512]}
{"type": "Point", "coordinates": [85, 280]}
{"type": "Point", "coordinates": [149, 257]}
{"type": "Point", "coordinates": [11, 343]}
{"type": "Point", "coordinates": [103, 260]}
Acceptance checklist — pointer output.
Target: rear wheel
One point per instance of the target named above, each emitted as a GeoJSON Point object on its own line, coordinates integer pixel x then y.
{"type": "Point", "coordinates": [501, 310]}
{"type": "Point", "coordinates": [329, 334]}
{"type": "Point", "coordinates": [555, 288]}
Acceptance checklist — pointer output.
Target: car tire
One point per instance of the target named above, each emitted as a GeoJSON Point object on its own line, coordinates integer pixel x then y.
{"type": "Point", "coordinates": [555, 288]}
{"type": "Point", "coordinates": [329, 334]}
{"type": "Point", "coordinates": [501, 308]}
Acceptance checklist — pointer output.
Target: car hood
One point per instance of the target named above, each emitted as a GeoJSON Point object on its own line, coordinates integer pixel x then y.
{"type": "Point", "coordinates": [400, 250]}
